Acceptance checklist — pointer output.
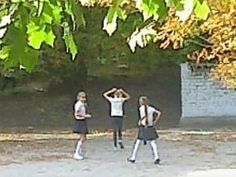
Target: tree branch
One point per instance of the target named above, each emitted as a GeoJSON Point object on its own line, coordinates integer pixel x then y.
{"type": "Point", "coordinates": [198, 43]}
{"type": "Point", "coordinates": [204, 39]}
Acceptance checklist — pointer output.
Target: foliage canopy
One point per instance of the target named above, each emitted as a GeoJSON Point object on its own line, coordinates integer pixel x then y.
{"type": "Point", "coordinates": [28, 25]}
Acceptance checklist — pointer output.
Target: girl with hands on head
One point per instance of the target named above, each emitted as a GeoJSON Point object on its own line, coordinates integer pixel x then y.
{"type": "Point", "coordinates": [117, 98]}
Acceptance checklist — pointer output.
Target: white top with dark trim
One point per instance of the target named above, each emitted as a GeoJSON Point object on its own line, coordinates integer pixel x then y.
{"type": "Point", "coordinates": [150, 113]}
{"type": "Point", "coordinates": [116, 106]}
{"type": "Point", "coordinates": [79, 110]}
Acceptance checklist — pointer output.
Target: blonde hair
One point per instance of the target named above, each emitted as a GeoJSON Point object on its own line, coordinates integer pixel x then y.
{"type": "Point", "coordinates": [143, 100]}
{"type": "Point", "coordinates": [80, 94]}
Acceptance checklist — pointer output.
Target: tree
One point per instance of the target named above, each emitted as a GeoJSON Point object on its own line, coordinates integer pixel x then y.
{"type": "Point", "coordinates": [170, 23]}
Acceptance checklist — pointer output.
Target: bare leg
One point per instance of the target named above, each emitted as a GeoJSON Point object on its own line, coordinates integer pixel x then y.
{"type": "Point", "coordinates": [115, 138]}
{"type": "Point", "coordinates": [120, 139]}
{"type": "Point", "coordinates": [83, 139]}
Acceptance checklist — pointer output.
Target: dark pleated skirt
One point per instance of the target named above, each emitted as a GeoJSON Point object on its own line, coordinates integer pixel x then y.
{"type": "Point", "coordinates": [80, 127]}
{"type": "Point", "coordinates": [147, 133]}
{"type": "Point", "coordinates": [117, 123]}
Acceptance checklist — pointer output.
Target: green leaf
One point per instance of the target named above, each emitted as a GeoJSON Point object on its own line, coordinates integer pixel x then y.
{"type": "Point", "coordinates": [70, 45]}
{"type": "Point", "coordinates": [122, 14]}
{"type": "Point", "coordinates": [50, 38]}
{"type": "Point", "coordinates": [52, 13]}
{"type": "Point", "coordinates": [48, 8]}
{"type": "Point", "coordinates": [16, 52]}
{"type": "Point", "coordinates": [31, 27]}
{"type": "Point", "coordinates": [30, 59]}
{"type": "Point", "coordinates": [23, 15]}
{"type": "Point", "coordinates": [47, 14]}
{"type": "Point", "coordinates": [57, 10]}
{"type": "Point", "coordinates": [14, 34]}
{"type": "Point", "coordinates": [36, 39]}
{"type": "Point", "coordinates": [36, 35]}
{"type": "Point", "coordinates": [46, 18]}
{"type": "Point", "coordinates": [4, 52]}
{"type": "Point", "coordinates": [69, 10]}
{"type": "Point", "coordinates": [112, 12]}
{"type": "Point", "coordinates": [20, 55]}
{"type": "Point", "coordinates": [162, 10]}
{"type": "Point", "coordinates": [202, 10]}
{"type": "Point", "coordinates": [157, 9]}
{"type": "Point", "coordinates": [201, 1]}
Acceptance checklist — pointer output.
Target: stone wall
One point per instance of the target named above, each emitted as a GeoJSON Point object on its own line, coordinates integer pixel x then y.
{"type": "Point", "coordinates": [203, 97]}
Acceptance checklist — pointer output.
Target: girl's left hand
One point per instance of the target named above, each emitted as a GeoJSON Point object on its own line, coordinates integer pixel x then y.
{"type": "Point", "coordinates": [88, 116]}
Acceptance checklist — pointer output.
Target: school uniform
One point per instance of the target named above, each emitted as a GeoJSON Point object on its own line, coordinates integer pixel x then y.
{"type": "Point", "coordinates": [147, 131]}
{"type": "Point", "coordinates": [117, 115]}
{"type": "Point", "coordinates": [117, 112]}
{"type": "Point", "coordinates": [80, 125]}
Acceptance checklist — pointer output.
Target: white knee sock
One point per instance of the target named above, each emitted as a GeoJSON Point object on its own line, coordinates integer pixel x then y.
{"type": "Point", "coordinates": [78, 147]}
{"type": "Point", "coordinates": [154, 149]}
{"type": "Point", "coordinates": [135, 150]}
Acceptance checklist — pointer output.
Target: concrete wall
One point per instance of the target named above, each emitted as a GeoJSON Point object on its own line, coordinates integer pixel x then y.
{"type": "Point", "coordinates": [203, 97]}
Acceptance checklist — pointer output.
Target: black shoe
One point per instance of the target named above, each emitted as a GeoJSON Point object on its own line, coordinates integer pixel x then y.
{"type": "Point", "coordinates": [121, 146]}
{"type": "Point", "coordinates": [157, 161]}
{"type": "Point", "coordinates": [131, 161]}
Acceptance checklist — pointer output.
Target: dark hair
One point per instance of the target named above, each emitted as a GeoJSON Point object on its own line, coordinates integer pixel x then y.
{"type": "Point", "coordinates": [146, 113]}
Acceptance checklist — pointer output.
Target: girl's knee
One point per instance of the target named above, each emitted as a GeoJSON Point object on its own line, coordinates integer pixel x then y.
{"type": "Point", "coordinates": [83, 138]}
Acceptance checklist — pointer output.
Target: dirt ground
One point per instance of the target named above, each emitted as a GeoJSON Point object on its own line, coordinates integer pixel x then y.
{"type": "Point", "coordinates": [183, 154]}
{"type": "Point", "coordinates": [36, 139]}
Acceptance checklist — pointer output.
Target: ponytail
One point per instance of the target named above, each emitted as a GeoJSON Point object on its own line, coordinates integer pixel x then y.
{"type": "Point", "coordinates": [146, 114]}
{"type": "Point", "coordinates": [144, 101]}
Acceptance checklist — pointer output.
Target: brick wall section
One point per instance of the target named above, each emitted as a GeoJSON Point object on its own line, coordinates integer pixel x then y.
{"type": "Point", "coordinates": [202, 97]}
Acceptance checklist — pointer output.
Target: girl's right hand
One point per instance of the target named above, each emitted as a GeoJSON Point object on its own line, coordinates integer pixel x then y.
{"type": "Point", "coordinates": [139, 123]}
{"type": "Point", "coordinates": [114, 89]}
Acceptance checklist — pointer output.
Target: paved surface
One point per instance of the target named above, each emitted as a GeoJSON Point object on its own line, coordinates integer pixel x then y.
{"type": "Point", "coordinates": [182, 156]}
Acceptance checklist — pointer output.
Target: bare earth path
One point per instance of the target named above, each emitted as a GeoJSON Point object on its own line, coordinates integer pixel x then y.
{"type": "Point", "coordinates": [183, 155]}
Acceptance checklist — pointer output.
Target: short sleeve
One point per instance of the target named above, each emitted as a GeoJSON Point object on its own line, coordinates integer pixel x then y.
{"type": "Point", "coordinates": [153, 110]}
{"type": "Point", "coordinates": [78, 106]}
{"type": "Point", "coordinates": [142, 112]}
{"type": "Point", "coordinates": [110, 99]}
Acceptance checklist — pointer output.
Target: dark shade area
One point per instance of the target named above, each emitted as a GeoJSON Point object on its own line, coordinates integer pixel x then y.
{"type": "Point", "coordinates": [54, 108]}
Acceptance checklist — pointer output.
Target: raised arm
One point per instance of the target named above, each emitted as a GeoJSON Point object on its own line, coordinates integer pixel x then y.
{"type": "Point", "coordinates": [127, 96]}
{"type": "Point", "coordinates": [109, 92]}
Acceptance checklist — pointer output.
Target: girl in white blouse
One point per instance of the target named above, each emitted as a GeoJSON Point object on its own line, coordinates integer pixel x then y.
{"type": "Point", "coordinates": [149, 117]}
{"type": "Point", "coordinates": [80, 127]}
